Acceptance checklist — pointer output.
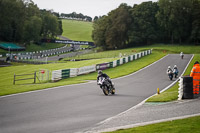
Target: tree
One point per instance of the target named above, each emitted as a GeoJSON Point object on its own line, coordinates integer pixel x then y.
{"type": "Point", "coordinates": [113, 29]}
{"type": "Point", "coordinates": [117, 33]}
{"type": "Point", "coordinates": [144, 27]}
{"type": "Point", "coordinates": [195, 33]}
{"type": "Point", "coordinates": [98, 34]}
{"type": "Point", "coordinates": [60, 30]}
{"type": "Point", "coordinates": [32, 29]}
{"type": "Point", "coordinates": [6, 30]}
{"type": "Point", "coordinates": [50, 27]}
{"type": "Point", "coordinates": [12, 17]}
{"type": "Point", "coordinates": [175, 17]}
{"type": "Point", "coordinates": [95, 18]}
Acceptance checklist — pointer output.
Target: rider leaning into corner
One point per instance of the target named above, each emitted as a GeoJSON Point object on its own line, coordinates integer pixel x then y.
{"type": "Point", "coordinates": [101, 74]}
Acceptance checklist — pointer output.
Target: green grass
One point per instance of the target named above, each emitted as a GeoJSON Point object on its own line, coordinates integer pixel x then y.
{"type": "Point", "coordinates": [108, 54]}
{"type": "Point", "coordinates": [44, 46]}
{"type": "Point", "coordinates": [166, 96]}
{"type": "Point", "coordinates": [187, 49]}
{"type": "Point", "coordinates": [33, 47]}
{"type": "Point", "coordinates": [77, 30]}
{"type": "Point", "coordinates": [188, 125]}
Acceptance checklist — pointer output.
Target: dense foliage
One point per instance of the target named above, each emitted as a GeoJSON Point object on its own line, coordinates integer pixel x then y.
{"type": "Point", "coordinates": [165, 21]}
{"type": "Point", "coordinates": [22, 21]}
{"type": "Point", "coordinates": [77, 16]}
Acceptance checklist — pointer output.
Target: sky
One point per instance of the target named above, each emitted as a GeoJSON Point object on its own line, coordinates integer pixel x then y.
{"type": "Point", "coordinates": [90, 8]}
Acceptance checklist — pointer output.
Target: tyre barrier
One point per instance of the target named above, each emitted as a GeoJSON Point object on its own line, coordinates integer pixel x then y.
{"type": "Point", "coordinates": [188, 88]}
{"type": "Point", "coordinates": [187, 79]}
{"type": "Point", "coordinates": [180, 89]}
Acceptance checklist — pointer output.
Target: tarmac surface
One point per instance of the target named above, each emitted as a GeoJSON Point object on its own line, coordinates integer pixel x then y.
{"type": "Point", "coordinates": [84, 107]}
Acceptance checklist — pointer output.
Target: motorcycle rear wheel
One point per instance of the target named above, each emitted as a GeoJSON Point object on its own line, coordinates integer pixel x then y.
{"type": "Point", "coordinates": [113, 91]}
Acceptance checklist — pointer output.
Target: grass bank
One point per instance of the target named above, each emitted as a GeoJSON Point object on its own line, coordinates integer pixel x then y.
{"type": "Point", "coordinates": [77, 30]}
{"type": "Point", "coordinates": [44, 46]}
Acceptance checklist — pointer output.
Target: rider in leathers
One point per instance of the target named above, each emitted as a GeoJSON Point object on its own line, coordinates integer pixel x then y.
{"type": "Point", "coordinates": [169, 70]}
{"type": "Point", "coordinates": [175, 70]}
{"type": "Point", "coordinates": [101, 74]}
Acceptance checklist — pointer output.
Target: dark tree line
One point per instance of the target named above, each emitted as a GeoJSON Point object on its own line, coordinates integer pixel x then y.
{"type": "Point", "coordinates": [22, 21]}
{"type": "Point", "coordinates": [165, 21]}
{"type": "Point", "coordinates": [74, 15]}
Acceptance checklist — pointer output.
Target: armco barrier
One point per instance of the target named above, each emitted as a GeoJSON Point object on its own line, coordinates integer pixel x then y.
{"type": "Point", "coordinates": [60, 74]}
{"type": "Point", "coordinates": [111, 64]}
{"type": "Point", "coordinates": [102, 66]}
{"type": "Point", "coordinates": [118, 62]}
{"type": "Point", "coordinates": [73, 72]}
{"type": "Point", "coordinates": [115, 63]}
{"type": "Point", "coordinates": [65, 73]}
{"type": "Point", "coordinates": [129, 58]}
{"type": "Point", "coordinates": [136, 56]}
{"type": "Point", "coordinates": [86, 69]}
{"type": "Point", "coordinates": [56, 75]}
{"type": "Point", "coordinates": [121, 61]}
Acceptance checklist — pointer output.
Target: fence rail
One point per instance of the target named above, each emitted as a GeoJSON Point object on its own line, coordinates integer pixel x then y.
{"type": "Point", "coordinates": [34, 77]}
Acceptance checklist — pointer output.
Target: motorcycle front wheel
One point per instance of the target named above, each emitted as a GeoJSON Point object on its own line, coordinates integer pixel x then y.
{"type": "Point", "coordinates": [105, 90]}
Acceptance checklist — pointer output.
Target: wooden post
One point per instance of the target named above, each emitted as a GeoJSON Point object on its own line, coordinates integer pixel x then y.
{"type": "Point", "coordinates": [34, 77]}
{"type": "Point", "coordinates": [14, 79]}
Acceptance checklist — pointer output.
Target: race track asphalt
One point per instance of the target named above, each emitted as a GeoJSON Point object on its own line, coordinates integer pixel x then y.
{"type": "Point", "coordinates": [76, 108]}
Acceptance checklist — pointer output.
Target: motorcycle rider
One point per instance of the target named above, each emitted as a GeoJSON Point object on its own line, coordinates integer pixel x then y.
{"type": "Point", "coordinates": [101, 74]}
{"type": "Point", "coordinates": [170, 72]}
{"type": "Point", "coordinates": [182, 55]}
{"type": "Point", "coordinates": [175, 70]}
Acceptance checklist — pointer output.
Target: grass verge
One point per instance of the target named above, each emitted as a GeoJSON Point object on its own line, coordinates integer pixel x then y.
{"type": "Point", "coordinates": [188, 125]}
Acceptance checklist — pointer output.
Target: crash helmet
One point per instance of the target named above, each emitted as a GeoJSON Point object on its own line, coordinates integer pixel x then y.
{"type": "Point", "coordinates": [100, 72]}
{"type": "Point", "coordinates": [169, 67]}
{"type": "Point", "coordinates": [175, 66]}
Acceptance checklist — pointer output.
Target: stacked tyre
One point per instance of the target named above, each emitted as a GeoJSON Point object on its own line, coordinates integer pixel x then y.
{"type": "Point", "coordinates": [188, 88]}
